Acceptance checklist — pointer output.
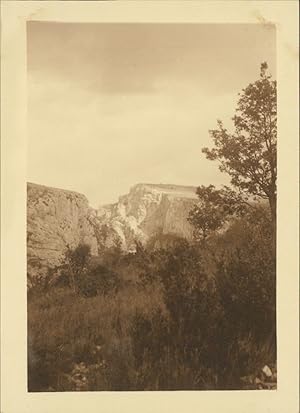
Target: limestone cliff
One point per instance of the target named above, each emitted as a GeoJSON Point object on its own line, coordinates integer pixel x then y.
{"type": "Point", "coordinates": [55, 218]}
{"type": "Point", "coordinates": [146, 211]}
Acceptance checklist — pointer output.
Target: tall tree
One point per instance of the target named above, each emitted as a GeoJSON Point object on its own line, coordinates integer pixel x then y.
{"type": "Point", "coordinates": [248, 154]}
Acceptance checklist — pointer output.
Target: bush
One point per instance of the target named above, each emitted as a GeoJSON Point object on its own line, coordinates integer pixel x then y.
{"type": "Point", "coordinates": [99, 280]}
{"type": "Point", "coordinates": [194, 317]}
{"type": "Point", "coordinates": [246, 276]}
{"type": "Point", "coordinates": [220, 320]}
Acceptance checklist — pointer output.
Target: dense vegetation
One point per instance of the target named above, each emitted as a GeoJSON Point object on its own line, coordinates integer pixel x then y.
{"type": "Point", "coordinates": [175, 314]}
{"type": "Point", "coordinates": [180, 316]}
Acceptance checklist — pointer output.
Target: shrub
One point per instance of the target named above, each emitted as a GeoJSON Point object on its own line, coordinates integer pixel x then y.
{"type": "Point", "coordinates": [246, 276]}
{"type": "Point", "coordinates": [99, 280]}
{"type": "Point", "coordinates": [76, 261]}
{"type": "Point", "coordinates": [220, 319]}
{"type": "Point", "coordinates": [200, 317]}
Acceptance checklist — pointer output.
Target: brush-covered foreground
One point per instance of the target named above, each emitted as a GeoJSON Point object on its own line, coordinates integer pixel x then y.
{"type": "Point", "coordinates": [172, 316]}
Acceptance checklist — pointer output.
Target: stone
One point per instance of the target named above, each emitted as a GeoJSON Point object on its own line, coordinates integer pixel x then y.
{"type": "Point", "coordinates": [267, 371]}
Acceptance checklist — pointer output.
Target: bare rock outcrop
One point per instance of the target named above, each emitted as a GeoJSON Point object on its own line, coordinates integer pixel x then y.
{"type": "Point", "coordinates": [145, 211]}
{"type": "Point", "coordinates": [59, 218]}
{"type": "Point", "coordinates": [56, 219]}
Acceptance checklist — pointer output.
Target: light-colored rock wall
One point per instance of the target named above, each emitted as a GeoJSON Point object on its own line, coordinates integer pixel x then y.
{"type": "Point", "coordinates": [55, 218]}
{"type": "Point", "coordinates": [147, 210]}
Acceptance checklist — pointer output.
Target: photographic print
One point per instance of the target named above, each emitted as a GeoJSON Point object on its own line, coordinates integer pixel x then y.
{"type": "Point", "coordinates": [151, 206]}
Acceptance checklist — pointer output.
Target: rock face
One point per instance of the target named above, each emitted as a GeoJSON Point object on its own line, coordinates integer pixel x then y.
{"type": "Point", "coordinates": [57, 218]}
{"type": "Point", "coordinates": [146, 211]}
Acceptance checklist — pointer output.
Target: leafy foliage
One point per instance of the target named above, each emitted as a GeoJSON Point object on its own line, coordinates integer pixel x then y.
{"type": "Point", "coordinates": [249, 154]}
{"type": "Point", "coordinates": [219, 323]}
{"type": "Point", "coordinates": [214, 208]}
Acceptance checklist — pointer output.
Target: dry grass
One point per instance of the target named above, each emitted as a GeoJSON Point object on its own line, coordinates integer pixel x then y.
{"type": "Point", "coordinates": [64, 328]}
{"type": "Point", "coordinates": [184, 318]}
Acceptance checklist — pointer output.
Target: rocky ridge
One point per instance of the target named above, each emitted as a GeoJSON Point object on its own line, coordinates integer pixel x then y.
{"type": "Point", "coordinates": [59, 218]}
{"type": "Point", "coordinates": [145, 211]}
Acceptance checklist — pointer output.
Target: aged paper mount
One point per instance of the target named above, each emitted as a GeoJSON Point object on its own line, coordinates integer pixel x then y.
{"type": "Point", "coordinates": [14, 395]}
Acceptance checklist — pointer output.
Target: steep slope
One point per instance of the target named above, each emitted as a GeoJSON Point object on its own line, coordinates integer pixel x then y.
{"type": "Point", "coordinates": [146, 211]}
{"type": "Point", "coordinates": [55, 218]}
{"type": "Point", "coordinates": [59, 218]}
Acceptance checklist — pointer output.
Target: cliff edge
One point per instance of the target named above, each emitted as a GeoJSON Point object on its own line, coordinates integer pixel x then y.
{"type": "Point", "coordinates": [58, 218]}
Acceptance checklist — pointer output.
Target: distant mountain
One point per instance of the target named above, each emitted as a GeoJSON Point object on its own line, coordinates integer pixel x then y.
{"type": "Point", "coordinates": [57, 218]}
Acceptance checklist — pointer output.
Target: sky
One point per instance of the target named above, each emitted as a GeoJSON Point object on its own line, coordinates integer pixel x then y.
{"type": "Point", "coordinates": [113, 105]}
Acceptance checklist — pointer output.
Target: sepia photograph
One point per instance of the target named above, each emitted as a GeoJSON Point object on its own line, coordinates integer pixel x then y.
{"type": "Point", "coordinates": [151, 206]}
